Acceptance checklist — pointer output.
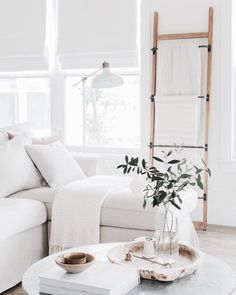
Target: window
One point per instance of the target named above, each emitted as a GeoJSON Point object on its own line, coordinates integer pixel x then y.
{"type": "Point", "coordinates": [234, 78]}
{"type": "Point", "coordinates": [25, 100]}
{"type": "Point", "coordinates": [103, 118]}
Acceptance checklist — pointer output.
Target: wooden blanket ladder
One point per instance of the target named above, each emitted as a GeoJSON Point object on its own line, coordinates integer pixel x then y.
{"type": "Point", "coordinates": [154, 85]}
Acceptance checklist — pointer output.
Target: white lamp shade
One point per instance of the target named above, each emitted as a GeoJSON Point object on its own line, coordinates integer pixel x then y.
{"type": "Point", "coordinates": [106, 79]}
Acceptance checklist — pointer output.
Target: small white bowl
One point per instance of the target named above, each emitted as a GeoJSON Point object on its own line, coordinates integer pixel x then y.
{"type": "Point", "coordinates": [74, 268]}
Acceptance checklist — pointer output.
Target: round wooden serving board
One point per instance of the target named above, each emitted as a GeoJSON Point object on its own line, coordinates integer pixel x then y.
{"type": "Point", "coordinates": [187, 262]}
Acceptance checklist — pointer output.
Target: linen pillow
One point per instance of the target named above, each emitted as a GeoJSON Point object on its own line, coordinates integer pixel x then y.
{"type": "Point", "coordinates": [17, 172]}
{"type": "Point", "coordinates": [47, 139]}
{"type": "Point", "coordinates": [55, 163]}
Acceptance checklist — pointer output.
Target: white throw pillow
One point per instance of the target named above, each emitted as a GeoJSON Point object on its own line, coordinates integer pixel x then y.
{"type": "Point", "coordinates": [17, 172]}
{"type": "Point", "coordinates": [47, 139]}
{"type": "Point", "coordinates": [55, 163]}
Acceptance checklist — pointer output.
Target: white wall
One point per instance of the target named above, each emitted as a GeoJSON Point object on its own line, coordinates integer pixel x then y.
{"type": "Point", "coordinates": [192, 16]}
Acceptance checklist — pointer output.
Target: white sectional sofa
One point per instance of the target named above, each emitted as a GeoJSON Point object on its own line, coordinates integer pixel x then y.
{"type": "Point", "coordinates": [25, 212]}
{"type": "Point", "coordinates": [122, 216]}
{"type": "Point", "coordinates": [23, 238]}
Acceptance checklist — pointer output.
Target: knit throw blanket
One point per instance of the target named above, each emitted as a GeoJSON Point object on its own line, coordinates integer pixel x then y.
{"type": "Point", "coordinates": [76, 211]}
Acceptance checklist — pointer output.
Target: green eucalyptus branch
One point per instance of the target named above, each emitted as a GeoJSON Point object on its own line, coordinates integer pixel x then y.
{"type": "Point", "coordinates": [164, 186]}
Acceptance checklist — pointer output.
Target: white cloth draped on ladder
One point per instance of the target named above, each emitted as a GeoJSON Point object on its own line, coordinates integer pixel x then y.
{"type": "Point", "coordinates": [181, 79]}
{"type": "Point", "coordinates": [177, 119]}
{"type": "Point", "coordinates": [181, 67]}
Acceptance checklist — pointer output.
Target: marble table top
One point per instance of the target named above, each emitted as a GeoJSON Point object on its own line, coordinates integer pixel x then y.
{"type": "Point", "coordinates": [212, 277]}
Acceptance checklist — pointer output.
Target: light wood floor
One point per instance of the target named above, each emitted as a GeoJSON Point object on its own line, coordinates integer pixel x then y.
{"type": "Point", "coordinates": [217, 240]}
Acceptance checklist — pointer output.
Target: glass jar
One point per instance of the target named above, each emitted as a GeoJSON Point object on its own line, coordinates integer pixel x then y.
{"type": "Point", "coordinates": [166, 226]}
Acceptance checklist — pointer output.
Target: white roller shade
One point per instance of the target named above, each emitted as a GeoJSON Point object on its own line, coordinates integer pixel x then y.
{"type": "Point", "coordinates": [22, 35]}
{"type": "Point", "coordinates": [92, 31]}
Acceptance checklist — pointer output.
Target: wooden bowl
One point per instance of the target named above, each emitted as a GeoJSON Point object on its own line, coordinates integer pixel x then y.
{"type": "Point", "coordinates": [187, 262]}
{"type": "Point", "coordinates": [74, 268]}
{"type": "Point", "coordinates": [75, 258]}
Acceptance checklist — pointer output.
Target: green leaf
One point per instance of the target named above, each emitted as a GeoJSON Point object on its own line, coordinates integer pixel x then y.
{"type": "Point", "coordinates": [144, 164]}
{"type": "Point", "coordinates": [183, 185]}
{"type": "Point", "coordinates": [170, 185]}
{"type": "Point", "coordinates": [159, 184]}
{"type": "Point", "coordinates": [169, 153]}
{"type": "Point", "coordinates": [173, 162]}
{"type": "Point", "coordinates": [180, 200]}
{"type": "Point", "coordinates": [120, 166]}
{"type": "Point", "coordinates": [158, 159]}
{"type": "Point", "coordinates": [204, 163]}
{"type": "Point", "coordinates": [174, 204]}
{"type": "Point", "coordinates": [160, 197]}
{"type": "Point", "coordinates": [144, 203]}
{"type": "Point", "coordinates": [185, 176]}
{"type": "Point", "coordinates": [198, 170]}
{"type": "Point", "coordinates": [173, 180]}
{"type": "Point", "coordinates": [159, 174]}
{"type": "Point", "coordinates": [209, 172]}
{"type": "Point", "coordinates": [199, 182]}
{"type": "Point", "coordinates": [126, 159]}
{"type": "Point", "coordinates": [179, 168]}
{"type": "Point", "coordinates": [173, 195]}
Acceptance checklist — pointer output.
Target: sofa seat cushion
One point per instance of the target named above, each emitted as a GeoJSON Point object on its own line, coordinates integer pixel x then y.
{"type": "Point", "coordinates": [124, 209]}
{"type": "Point", "coordinates": [42, 194]}
{"type": "Point", "coordinates": [121, 208]}
{"type": "Point", "coordinates": [18, 215]}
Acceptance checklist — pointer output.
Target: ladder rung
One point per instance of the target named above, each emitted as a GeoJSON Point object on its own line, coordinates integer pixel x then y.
{"type": "Point", "coordinates": [206, 46]}
{"type": "Point", "coordinates": [182, 36]}
{"type": "Point", "coordinates": [207, 97]}
{"type": "Point", "coordinates": [204, 197]}
{"type": "Point", "coordinates": [182, 146]}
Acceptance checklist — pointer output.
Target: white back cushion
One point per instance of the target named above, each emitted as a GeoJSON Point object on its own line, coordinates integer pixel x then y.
{"type": "Point", "coordinates": [17, 172]}
{"type": "Point", "coordinates": [47, 139]}
{"type": "Point", "coordinates": [55, 163]}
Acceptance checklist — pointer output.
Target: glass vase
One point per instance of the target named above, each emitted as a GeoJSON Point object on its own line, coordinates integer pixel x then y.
{"type": "Point", "coordinates": [166, 226]}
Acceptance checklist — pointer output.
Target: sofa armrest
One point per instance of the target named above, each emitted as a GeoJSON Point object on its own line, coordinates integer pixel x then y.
{"type": "Point", "coordinates": [91, 164]}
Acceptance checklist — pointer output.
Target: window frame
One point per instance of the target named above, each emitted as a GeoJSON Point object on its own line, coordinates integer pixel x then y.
{"type": "Point", "coordinates": [101, 150]}
{"type": "Point", "coordinates": [30, 75]}
{"type": "Point", "coordinates": [57, 102]}
{"type": "Point", "coordinates": [57, 86]}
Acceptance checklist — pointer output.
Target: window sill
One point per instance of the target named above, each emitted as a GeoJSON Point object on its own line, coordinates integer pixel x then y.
{"type": "Point", "coordinates": [104, 151]}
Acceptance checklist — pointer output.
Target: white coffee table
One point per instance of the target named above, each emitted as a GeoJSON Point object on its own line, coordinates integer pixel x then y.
{"type": "Point", "coordinates": [212, 277]}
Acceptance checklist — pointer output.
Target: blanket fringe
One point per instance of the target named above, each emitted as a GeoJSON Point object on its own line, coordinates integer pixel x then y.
{"type": "Point", "coordinates": [57, 248]}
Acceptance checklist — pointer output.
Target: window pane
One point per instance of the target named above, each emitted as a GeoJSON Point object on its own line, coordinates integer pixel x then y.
{"type": "Point", "coordinates": [38, 111]}
{"type": "Point", "coordinates": [73, 113]}
{"type": "Point", "coordinates": [107, 118]}
{"type": "Point", "coordinates": [26, 100]}
{"type": "Point", "coordinates": [8, 104]}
